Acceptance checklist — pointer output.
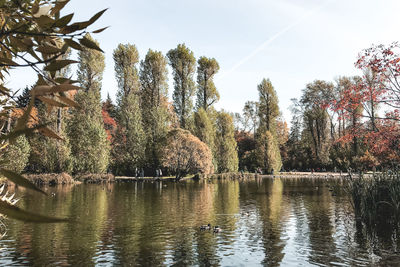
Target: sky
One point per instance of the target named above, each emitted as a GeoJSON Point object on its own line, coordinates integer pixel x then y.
{"type": "Point", "coordinates": [291, 42]}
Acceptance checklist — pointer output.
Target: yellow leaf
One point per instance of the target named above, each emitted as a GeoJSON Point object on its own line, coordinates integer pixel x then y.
{"type": "Point", "coordinates": [26, 216]}
{"type": "Point", "coordinates": [51, 102]}
{"type": "Point", "coordinates": [20, 180]}
{"type": "Point", "coordinates": [49, 133]}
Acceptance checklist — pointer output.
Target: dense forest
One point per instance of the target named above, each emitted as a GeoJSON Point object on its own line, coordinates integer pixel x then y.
{"type": "Point", "coordinates": [351, 123]}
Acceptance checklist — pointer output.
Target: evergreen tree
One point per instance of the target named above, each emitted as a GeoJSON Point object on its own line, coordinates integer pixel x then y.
{"type": "Point", "coordinates": [267, 148]}
{"type": "Point", "coordinates": [226, 146]}
{"type": "Point", "coordinates": [90, 148]}
{"type": "Point", "coordinates": [128, 149]}
{"type": "Point", "coordinates": [51, 155]}
{"type": "Point", "coordinates": [183, 65]}
{"type": "Point", "coordinates": [207, 94]}
{"type": "Point", "coordinates": [153, 78]}
{"type": "Point", "coordinates": [16, 154]}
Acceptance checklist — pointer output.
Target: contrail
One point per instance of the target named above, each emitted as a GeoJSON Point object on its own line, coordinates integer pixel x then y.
{"type": "Point", "coordinates": [274, 37]}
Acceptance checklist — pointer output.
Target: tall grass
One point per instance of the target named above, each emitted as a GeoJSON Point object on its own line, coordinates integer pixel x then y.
{"type": "Point", "coordinates": [376, 199]}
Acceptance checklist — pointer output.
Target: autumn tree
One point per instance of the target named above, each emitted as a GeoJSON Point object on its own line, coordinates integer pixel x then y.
{"type": "Point", "coordinates": [128, 146]}
{"type": "Point", "coordinates": [183, 64]}
{"type": "Point", "coordinates": [153, 78]}
{"type": "Point", "coordinates": [184, 153]}
{"type": "Point", "coordinates": [226, 146]}
{"type": "Point", "coordinates": [90, 148]}
{"type": "Point", "coordinates": [250, 116]}
{"type": "Point", "coordinates": [207, 93]}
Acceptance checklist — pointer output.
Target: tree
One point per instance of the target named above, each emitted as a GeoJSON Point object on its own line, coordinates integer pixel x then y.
{"type": "Point", "coordinates": [128, 148]}
{"type": "Point", "coordinates": [250, 116]}
{"type": "Point", "coordinates": [267, 151]}
{"type": "Point", "coordinates": [153, 78]}
{"type": "Point", "coordinates": [16, 155]}
{"type": "Point", "coordinates": [316, 117]}
{"type": "Point", "coordinates": [267, 148]}
{"type": "Point", "coordinates": [90, 148]}
{"type": "Point", "coordinates": [183, 64]}
{"type": "Point", "coordinates": [33, 34]}
{"type": "Point", "coordinates": [207, 93]}
{"type": "Point", "coordinates": [184, 153]}
{"type": "Point", "coordinates": [268, 109]}
{"type": "Point", "coordinates": [226, 146]}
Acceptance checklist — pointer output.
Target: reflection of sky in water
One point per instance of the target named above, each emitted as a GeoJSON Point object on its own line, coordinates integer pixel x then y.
{"type": "Point", "coordinates": [282, 222]}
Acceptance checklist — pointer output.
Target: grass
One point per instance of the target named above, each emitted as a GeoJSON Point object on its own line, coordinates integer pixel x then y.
{"type": "Point", "coordinates": [376, 199]}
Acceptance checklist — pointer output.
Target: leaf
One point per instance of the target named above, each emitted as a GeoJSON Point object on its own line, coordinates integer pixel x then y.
{"type": "Point", "coordinates": [69, 101]}
{"type": "Point", "coordinates": [96, 16]}
{"type": "Point", "coordinates": [73, 44]}
{"type": "Point", "coordinates": [15, 133]}
{"type": "Point", "coordinates": [100, 30]}
{"type": "Point", "coordinates": [41, 90]}
{"type": "Point", "coordinates": [7, 61]}
{"type": "Point", "coordinates": [64, 87]}
{"type": "Point", "coordinates": [59, 64]}
{"type": "Point", "coordinates": [14, 212]}
{"type": "Point", "coordinates": [51, 102]}
{"type": "Point", "coordinates": [90, 44]}
{"type": "Point", "coordinates": [20, 180]}
{"type": "Point", "coordinates": [49, 133]}
{"type": "Point", "coordinates": [58, 6]}
{"type": "Point", "coordinates": [47, 49]}
{"type": "Point", "coordinates": [21, 122]}
{"type": "Point", "coordinates": [61, 22]}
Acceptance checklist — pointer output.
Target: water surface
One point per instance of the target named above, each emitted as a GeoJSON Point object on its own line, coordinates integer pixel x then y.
{"type": "Point", "coordinates": [271, 222]}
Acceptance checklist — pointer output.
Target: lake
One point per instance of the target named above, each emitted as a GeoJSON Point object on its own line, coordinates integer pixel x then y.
{"type": "Point", "coordinates": [264, 221]}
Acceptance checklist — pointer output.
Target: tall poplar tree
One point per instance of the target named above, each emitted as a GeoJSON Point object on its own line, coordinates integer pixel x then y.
{"type": "Point", "coordinates": [128, 148]}
{"type": "Point", "coordinates": [183, 64]}
{"type": "Point", "coordinates": [90, 148]}
{"type": "Point", "coordinates": [153, 78]}
{"type": "Point", "coordinates": [267, 148]}
{"type": "Point", "coordinates": [226, 146]}
{"type": "Point", "coordinates": [207, 93]}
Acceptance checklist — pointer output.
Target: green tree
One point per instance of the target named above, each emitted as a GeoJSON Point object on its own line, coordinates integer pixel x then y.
{"type": "Point", "coordinates": [267, 148]}
{"type": "Point", "coordinates": [90, 147]}
{"type": "Point", "coordinates": [207, 93]}
{"type": "Point", "coordinates": [267, 151]}
{"type": "Point", "coordinates": [17, 154]}
{"type": "Point", "coordinates": [153, 78]}
{"type": "Point", "coordinates": [128, 152]}
{"type": "Point", "coordinates": [183, 64]}
{"type": "Point", "coordinates": [50, 155]}
{"type": "Point", "coordinates": [268, 110]}
{"type": "Point", "coordinates": [226, 146]}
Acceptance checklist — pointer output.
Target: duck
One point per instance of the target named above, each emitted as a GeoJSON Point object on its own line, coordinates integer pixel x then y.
{"type": "Point", "coordinates": [205, 227]}
{"type": "Point", "coordinates": [217, 229]}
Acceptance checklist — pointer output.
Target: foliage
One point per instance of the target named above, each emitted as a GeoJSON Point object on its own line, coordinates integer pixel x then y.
{"type": "Point", "coordinates": [183, 64]}
{"type": "Point", "coordinates": [204, 128]}
{"type": "Point", "coordinates": [33, 34]}
{"type": "Point", "coordinates": [90, 149]}
{"type": "Point", "coordinates": [226, 146]}
{"type": "Point", "coordinates": [268, 109]}
{"type": "Point", "coordinates": [184, 153]}
{"type": "Point", "coordinates": [267, 151]}
{"type": "Point", "coordinates": [376, 200]}
{"type": "Point", "coordinates": [207, 94]}
{"type": "Point", "coordinates": [154, 105]}
{"type": "Point", "coordinates": [16, 154]}
{"type": "Point", "coordinates": [129, 143]}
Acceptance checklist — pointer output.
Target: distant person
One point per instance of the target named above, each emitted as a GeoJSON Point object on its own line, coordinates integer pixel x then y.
{"type": "Point", "coordinates": [160, 172]}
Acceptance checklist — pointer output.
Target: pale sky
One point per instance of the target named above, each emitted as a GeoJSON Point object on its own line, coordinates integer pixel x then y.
{"type": "Point", "coordinates": [292, 42]}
